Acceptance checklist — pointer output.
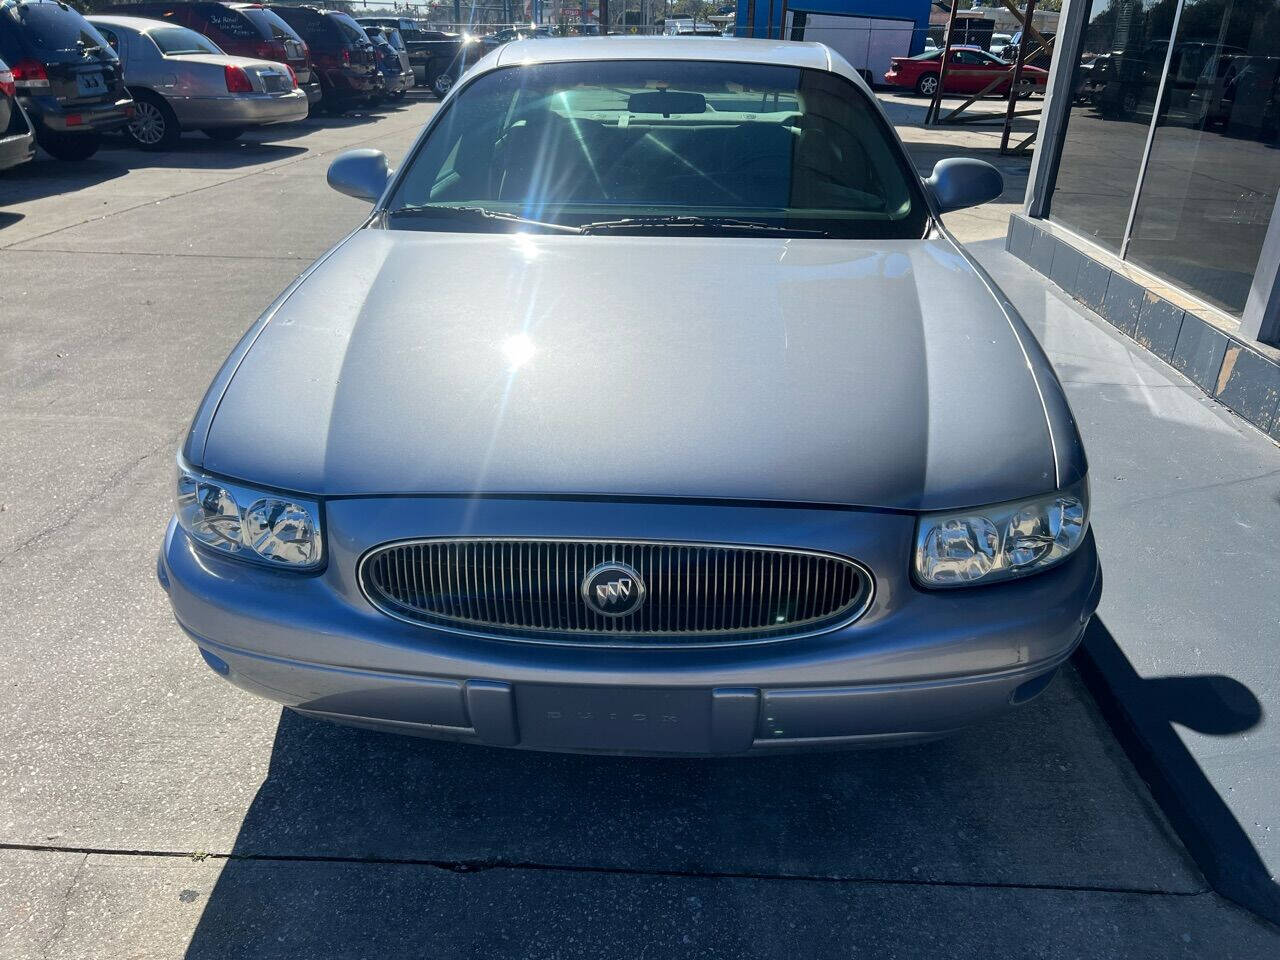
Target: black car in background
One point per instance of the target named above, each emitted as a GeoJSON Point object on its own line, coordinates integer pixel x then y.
{"type": "Point", "coordinates": [240, 29]}
{"type": "Point", "coordinates": [17, 142]}
{"type": "Point", "coordinates": [343, 57]}
{"type": "Point", "coordinates": [67, 78]}
{"type": "Point", "coordinates": [438, 58]}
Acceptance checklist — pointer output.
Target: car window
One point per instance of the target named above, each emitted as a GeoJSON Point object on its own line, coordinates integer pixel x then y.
{"type": "Point", "coordinates": [933, 54]}
{"type": "Point", "coordinates": [573, 143]}
{"type": "Point", "coordinates": [393, 38]}
{"type": "Point", "coordinates": [269, 23]}
{"type": "Point", "coordinates": [109, 36]}
{"type": "Point", "coordinates": [51, 28]}
{"type": "Point", "coordinates": [175, 41]}
{"type": "Point", "coordinates": [233, 23]}
{"type": "Point", "coordinates": [349, 28]}
{"type": "Point", "coordinates": [314, 28]}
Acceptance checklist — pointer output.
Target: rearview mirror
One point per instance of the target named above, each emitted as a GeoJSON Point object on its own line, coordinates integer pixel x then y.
{"type": "Point", "coordinates": [361, 173]}
{"type": "Point", "coordinates": [666, 102]}
{"type": "Point", "coordinates": [960, 182]}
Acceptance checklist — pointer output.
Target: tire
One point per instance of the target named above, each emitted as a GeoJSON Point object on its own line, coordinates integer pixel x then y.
{"type": "Point", "coordinates": [69, 146]}
{"type": "Point", "coordinates": [154, 125]}
{"type": "Point", "coordinates": [927, 84]}
{"type": "Point", "coordinates": [442, 84]}
{"type": "Point", "coordinates": [223, 134]}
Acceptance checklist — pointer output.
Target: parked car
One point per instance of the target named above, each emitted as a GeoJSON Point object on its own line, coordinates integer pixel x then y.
{"type": "Point", "coordinates": [969, 70]}
{"type": "Point", "coordinates": [17, 141]}
{"type": "Point", "coordinates": [180, 80]}
{"type": "Point", "coordinates": [1239, 95]}
{"type": "Point", "coordinates": [344, 60]}
{"type": "Point", "coordinates": [438, 58]}
{"type": "Point", "coordinates": [494, 40]}
{"type": "Point", "coordinates": [67, 78]}
{"type": "Point", "coordinates": [998, 43]}
{"type": "Point", "coordinates": [865, 521]}
{"type": "Point", "coordinates": [238, 29]}
{"type": "Point", "coordinates": [397, 73]}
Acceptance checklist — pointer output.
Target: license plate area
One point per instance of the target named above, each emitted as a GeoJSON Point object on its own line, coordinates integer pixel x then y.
{"type": "Point", "coordinates": [610, 718]}
{"type": "Point", "coordinates": [91, 84]}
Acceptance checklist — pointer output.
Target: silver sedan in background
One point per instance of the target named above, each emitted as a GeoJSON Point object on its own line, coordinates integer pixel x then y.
{"type": "Point", "coordinates": [181, 80]}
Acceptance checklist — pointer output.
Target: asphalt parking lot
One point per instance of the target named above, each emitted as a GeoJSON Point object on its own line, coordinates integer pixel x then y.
{"type": "Point", "coordinates": [147, 809]}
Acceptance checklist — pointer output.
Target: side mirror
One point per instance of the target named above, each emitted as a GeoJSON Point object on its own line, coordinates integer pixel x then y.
{"type": "Point", "coordinates": [957, 182]}
{"type": "Point", "coordinates": [361, 173]}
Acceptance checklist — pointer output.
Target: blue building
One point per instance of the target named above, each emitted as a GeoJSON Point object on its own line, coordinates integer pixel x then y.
{"type": "Point", "coordinates": [897, 25]}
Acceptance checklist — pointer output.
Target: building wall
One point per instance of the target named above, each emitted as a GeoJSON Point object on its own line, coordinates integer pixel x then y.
{"type": "Point", "coordinates": [764, 18]}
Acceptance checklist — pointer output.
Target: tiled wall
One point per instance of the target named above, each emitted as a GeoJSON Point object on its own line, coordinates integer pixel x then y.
{"type": "Point", "coordinates": [1231, 370]}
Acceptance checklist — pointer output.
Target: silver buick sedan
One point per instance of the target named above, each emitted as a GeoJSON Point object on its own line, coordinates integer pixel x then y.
{"type": "Point", "coordinates": [652, 410]}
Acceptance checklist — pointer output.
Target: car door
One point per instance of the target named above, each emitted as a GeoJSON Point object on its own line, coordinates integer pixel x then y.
{"type": "Point", "coordinates": [965, 72]}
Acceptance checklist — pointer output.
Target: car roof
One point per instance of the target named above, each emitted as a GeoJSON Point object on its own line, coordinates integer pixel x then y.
{"type": "Point", "coordinates": [786, 53]}
{"type": "Point", "coordinates": [141, 24]}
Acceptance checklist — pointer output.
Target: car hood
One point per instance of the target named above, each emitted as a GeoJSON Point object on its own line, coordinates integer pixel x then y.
{"type": "Point", "coordinates": [880, 374]}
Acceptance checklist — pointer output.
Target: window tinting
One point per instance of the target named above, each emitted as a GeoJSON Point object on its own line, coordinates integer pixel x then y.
{"type": "Point", "coordinates": [176, 41]}
{"type": "Point", "coordinates": [575, 143]}
{"type": "Point", "coordinates": [270, 23]}
{"type": "Point", "coordinates": [51, 28]}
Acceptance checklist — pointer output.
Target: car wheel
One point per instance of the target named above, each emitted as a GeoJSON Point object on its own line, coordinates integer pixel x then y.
{"type": "Point", "coordinates": [154, 126]}
{"type": "Point", "coordinates": [927, 85]}
{"type": "Point", "coordinates": [223, 133]}
{"type": "Point", "coordinates": [1129, 103]}
{"type": "Point", "coordinates": [69, 146]}
{"type": "Point", "coordinates": [442, 84]}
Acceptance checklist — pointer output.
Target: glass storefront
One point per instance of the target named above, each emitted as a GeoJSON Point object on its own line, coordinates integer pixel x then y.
{"type": "Point", "coordinates": [1206, 192]}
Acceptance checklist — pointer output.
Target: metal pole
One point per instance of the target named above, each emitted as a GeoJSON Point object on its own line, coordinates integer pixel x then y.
{"type": "Point", "coordinates": [935, 105]}
{"type": "Point", "coordinates": [1017, 75]}
{"type": "Point", "coordinates": [604, 15]}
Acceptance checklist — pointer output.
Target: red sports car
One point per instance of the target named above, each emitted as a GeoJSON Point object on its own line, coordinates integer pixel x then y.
{"type": "Point", "coordinates": [969, 70]}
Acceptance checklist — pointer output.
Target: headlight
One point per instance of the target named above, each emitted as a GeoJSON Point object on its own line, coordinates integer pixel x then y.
{"type": "Point", "coordinates": [273, 528]}
{"type": "Point", "coordinates": [1007, 540]}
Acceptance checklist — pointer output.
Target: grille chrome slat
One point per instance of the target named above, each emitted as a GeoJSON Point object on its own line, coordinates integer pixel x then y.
{"type": "Point", "coordinates": [695, 593]}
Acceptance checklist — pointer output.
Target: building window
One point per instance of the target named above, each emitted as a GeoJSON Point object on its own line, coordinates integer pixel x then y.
{"type": "Point", "coordinates": [1112, 90]}
{"type": "Point", "coordinates": [1190, 124]}
{"type": "Point", "coordinates": [1213, 169]}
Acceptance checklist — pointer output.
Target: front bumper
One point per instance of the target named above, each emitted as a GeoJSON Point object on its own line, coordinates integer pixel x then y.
{"type": "Point", "coordinates": [242, 110]}
{"type": "Point", "coordinates": [51, 114]}
{"type": "Point", "coordinates": [918, 664]}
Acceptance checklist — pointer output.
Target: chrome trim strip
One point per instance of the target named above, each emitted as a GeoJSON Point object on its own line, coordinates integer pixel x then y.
{"type": "Point", "coordinates": [551, 637]}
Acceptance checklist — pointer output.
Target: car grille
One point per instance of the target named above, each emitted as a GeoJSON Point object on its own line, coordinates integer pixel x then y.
{"type": "Point", "coordinates": [692, 592]}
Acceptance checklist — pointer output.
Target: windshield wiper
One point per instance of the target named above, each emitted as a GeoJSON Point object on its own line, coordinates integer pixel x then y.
{"type": "Point", "coordinates": [479, 213]}
{"type": "Point", "coordinates": [696, 223]}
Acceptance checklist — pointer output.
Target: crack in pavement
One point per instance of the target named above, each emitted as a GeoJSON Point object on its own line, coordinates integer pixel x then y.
{"type": "Point", "coordinates": [152, 253]}
{"type": "Point", "coordinates": [56, 933]}
{"type": "Point", "coordinates": [484, 865]}
{"type": "Point", "coordinates": [170, 441]}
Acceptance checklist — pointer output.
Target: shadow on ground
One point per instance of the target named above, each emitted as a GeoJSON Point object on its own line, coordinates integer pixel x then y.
{"type": "Point", "coordinates": [1145, 713]}
{"type": "Point", "coordinates": [1041, 797]}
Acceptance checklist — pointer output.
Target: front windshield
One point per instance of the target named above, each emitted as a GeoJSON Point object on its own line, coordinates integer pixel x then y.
{"type": "Point", "coordinates": [177, 41]}
{"type": "Point", "coordinates": [579, 143]}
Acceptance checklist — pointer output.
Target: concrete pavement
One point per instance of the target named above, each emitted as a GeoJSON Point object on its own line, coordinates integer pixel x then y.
{"type": "Point", "coordinates": [148, 809]}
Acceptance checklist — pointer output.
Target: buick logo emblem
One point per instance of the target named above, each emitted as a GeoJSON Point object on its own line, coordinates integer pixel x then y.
{"type": "Point", "coordinates": [613, 589]}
